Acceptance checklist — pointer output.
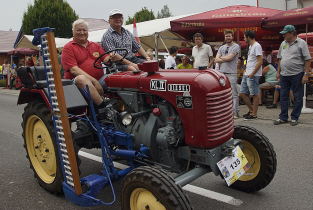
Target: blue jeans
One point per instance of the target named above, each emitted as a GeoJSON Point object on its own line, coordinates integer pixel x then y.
{"type": "Point", "coordinates": [250, 86]}
{"type": "Point", "coordinates": [293, 83]}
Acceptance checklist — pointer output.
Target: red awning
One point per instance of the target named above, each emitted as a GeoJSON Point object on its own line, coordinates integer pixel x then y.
{"type": "Point", "coordinates": [23, 51]}
{"type": "Point", "coordinates": [238, 18]}
{"type": "Point", "coordinates": [307, 37]}
{"type": "Point", "coordinates": [298, 17]}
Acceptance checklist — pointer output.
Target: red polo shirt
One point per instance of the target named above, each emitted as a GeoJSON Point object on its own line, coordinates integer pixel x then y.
{"type": "Point", "coordinates": [74, 54]}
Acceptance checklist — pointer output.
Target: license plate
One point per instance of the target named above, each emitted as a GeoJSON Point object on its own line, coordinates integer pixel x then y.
{"type": "Point", "coordinates": [233, 167]}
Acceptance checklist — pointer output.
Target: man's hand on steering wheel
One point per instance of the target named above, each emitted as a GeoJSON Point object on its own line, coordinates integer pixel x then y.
{"type": "Point", "coordinates": [108, 60]}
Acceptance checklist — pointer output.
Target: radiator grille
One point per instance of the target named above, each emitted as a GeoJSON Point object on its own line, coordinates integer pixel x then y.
{"type": "Point", "coordinates": [219, 115]}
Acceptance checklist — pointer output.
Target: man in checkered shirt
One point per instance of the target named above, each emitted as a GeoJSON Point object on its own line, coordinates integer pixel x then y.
{"type": "Point", "coordinates": [118, 37]}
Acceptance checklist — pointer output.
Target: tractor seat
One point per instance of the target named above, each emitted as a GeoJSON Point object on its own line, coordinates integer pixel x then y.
{"type": "Point", "coordinates": [40, 77]}
{"type": "Point", "coordinates": [35, 77]}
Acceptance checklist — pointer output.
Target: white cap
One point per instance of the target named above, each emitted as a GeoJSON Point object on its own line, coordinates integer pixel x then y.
{"type": "Point", "coordinates": [114, 12]}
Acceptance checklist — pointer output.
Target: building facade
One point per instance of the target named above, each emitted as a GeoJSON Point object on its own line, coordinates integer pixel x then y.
{"type": "Point", "coordinates": [285, 4]}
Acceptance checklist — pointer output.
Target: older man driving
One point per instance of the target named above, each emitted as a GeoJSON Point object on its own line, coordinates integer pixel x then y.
{"type": "Point", "coordinates": [118, 37]}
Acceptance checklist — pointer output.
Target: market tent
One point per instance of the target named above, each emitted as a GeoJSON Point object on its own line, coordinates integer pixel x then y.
{"type": "Point", "coordinates": [307, 36]}
{"type": "Point", "coordinates": [23, 51]}
{"type": "Point", "coordinates": [148, 31]}
{"type": "Point", "coordinates": [26, 42]}
{"type": "Point", "coordinates": [299, 17]}
{"type": "Point", "coordinates": [238, 18]}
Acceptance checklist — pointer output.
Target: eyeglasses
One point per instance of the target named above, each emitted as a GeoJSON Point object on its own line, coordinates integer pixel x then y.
{"type": "Point", "coordinates": [226, 52]}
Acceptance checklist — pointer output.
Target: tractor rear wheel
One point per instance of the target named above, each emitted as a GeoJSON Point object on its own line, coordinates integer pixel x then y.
{"type": "Point", "coordinates": [261, 159]}
{"type": "Point", "coordinates": [41, 146]}
{"type": "Point", "coordinates": [148, 188]}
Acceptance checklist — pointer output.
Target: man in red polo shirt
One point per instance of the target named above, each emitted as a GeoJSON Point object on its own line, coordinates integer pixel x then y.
{"type": "Point", "coordinates": [78, 57]}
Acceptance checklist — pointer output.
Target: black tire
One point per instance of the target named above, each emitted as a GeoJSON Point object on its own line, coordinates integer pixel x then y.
{"type": "Point", "coordinates": [37, 110]}
{"type": "Point", "coordinates": [157, 182]}
{"type": "Point", "coordinates": [267, 159]}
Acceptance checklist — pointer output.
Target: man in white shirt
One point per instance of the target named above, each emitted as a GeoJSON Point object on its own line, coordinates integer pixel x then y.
{"type": "Point", "coordinates": [202, 53]}
{"type": "Point", "coordinates": [227, 59]}
{"type": "Point", "coordinates": [250, 79]}
{"type": "Point", "coordinates": [170, 62]}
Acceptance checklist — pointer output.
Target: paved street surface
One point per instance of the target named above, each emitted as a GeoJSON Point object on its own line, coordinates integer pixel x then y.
{"type": "Point", "coordinates": [292, 187]}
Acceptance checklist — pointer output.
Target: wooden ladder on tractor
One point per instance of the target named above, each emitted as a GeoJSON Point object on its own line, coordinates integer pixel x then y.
{"type": "Point", "coordinates": [45, 37]}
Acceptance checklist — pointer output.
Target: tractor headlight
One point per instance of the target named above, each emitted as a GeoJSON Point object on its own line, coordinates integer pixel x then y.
{"type": "Point", "coordinates": [127, 119]}
{"type": "Point", "coordinates": [222, 81]}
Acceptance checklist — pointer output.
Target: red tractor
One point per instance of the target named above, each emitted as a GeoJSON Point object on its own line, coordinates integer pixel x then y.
{"type": "Point", "coordinates": [159, 121]}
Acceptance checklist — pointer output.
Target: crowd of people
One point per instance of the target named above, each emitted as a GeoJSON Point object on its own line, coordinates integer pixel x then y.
{"type": "Point", "coordinates": [286, 75]}
{"type": "Point", "coordinates": [8, 71]}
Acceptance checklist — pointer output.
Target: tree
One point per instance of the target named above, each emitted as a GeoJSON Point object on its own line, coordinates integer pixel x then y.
{"type": "Point", "coordinates": [165, 12]}
{"type": "Point", "coordinates": [56, 14]}
{"type": "Point", "coordinates": [143, 15]}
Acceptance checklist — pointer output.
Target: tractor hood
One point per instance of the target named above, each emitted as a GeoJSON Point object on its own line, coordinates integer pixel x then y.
{"type": "Point", "coordinates": [201, 97]}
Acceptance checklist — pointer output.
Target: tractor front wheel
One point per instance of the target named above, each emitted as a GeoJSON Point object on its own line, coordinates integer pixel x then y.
{"type": "Point", "coordinates": [261, 159]}
{"type": "Point", "coordinates": [152, 189]}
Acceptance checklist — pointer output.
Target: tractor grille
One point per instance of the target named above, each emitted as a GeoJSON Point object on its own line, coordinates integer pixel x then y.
{"type": "Point", "coordinates": [219, 115]}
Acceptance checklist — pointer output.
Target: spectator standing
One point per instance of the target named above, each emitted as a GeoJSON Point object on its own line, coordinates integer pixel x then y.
{"type": "Point", "coordinates": [294, 62]}
{"type": "Point", "coordinates": [6, 69]}
{"type": "Point", "coordinates": [227, 59]}
{"type": "Point", "coordinates": [250, 80]}
{"type": "Point", "coordinates": [202, 53]}
{"type": "Point", "coordinates": [185, 64]}
{"type": "Point", "coordinates": [170, 62]}
{"type": "Point", "coordinates": [118, 37]}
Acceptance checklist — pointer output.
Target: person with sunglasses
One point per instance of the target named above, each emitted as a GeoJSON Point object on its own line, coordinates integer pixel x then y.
{"type": "Point", "coordinates": [227, 59]}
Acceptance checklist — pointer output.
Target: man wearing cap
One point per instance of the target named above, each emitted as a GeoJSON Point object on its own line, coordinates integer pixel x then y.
{"type": "Point", "coordinates": [294, 62]}
{"type": "Point", "coordinates": [78, 57]}
{"type": "Point", "coordinates": [118, 37]}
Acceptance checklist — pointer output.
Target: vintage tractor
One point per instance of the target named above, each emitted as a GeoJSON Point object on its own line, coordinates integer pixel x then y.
{"type": "Point", "coordinates": [169, 127]}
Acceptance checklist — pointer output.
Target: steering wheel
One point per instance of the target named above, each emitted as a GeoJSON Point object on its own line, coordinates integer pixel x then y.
{"type": "Point", "coordinates": [98, 64]}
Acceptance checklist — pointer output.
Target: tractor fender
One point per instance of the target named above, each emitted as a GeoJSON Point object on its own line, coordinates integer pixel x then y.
{"type": "Point", "coordinates": [28, 95]}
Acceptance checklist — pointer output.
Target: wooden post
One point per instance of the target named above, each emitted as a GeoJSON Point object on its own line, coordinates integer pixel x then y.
{"type": "Point", "coordinates": [63, 112]}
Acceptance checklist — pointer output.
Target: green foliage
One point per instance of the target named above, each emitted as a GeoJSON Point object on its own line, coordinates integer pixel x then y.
{"type": "Point", "coordinates": [56, 14]}
{"type": "Point", "coordinates": [165, 12]}
{"type": "Point", "coordinates": [143, 15]}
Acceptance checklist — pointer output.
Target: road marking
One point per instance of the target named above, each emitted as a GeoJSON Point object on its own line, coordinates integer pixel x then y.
{"type": "Point", "coordinates": [213, 195]}
{"type": "Point", "coordinates": [9, 93]}
{"type": "Point", "coordinates": [190, 188]}
{"type": "Point", "coordinates": [99, 159]}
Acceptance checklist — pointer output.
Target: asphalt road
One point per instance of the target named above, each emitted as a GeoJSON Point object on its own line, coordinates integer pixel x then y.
{"type": "Point", "coordinates": [292, 187]}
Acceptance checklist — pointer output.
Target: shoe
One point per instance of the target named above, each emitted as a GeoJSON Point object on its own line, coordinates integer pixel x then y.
{"type": "Point", "coordinates": [294, 122]}
{"type": "Point", "coordinates": [236, 115]}
{"type": "Point", "coordinates": [279, 121]}
{"type": "Point", "coordinates": [272, 106]}
{"type": "Point", "coordinates": [250, 117]}
{"type": "Point", "coordinates": [245, 115]}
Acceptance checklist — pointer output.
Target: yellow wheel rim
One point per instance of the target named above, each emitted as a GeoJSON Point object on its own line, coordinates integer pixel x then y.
{"type": "Point", "coordinates": [254, 163]}
{"type": "Point", "coordinates": [142, 199]}
{"type": "Point", "coordinates": [40, 149]}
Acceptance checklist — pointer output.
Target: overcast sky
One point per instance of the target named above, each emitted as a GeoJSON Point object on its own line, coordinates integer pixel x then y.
{"type": "Point", "coordinates": [12, 10]}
